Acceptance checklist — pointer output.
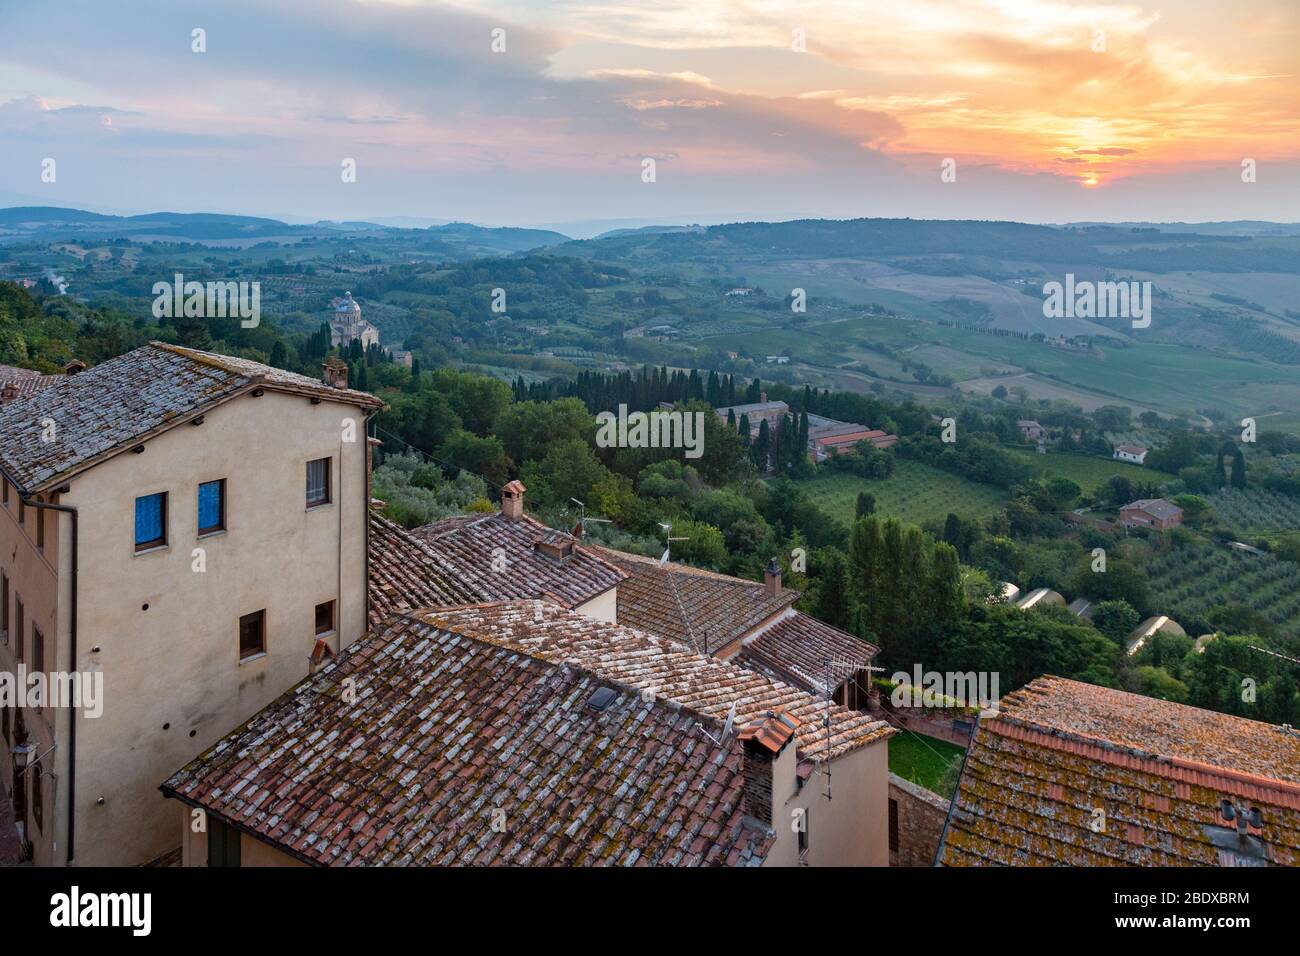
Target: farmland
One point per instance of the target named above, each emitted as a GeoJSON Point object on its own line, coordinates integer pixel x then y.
{"type": "Point", "coordinates": [1088, 471]}
{"type": "Point", "coordinates": [1186, 582]}
{"type": "Point", "coordinates": [915, 492]}
{"type": "Point", "coordinates": [1255, 511]}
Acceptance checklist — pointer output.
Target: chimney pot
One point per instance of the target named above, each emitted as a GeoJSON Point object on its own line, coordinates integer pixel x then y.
{"type": "Point", "coordinates": [335, 373]}
{"type": "Point", "coordinates": [512, 500]}
{"type": "Point", "coordinates": [73, 367]}
{"type": "Point", "coordinates": [772, 577]}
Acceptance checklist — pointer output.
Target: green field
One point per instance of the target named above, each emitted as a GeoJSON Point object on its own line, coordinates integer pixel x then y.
{"type": "Point", "coordinates": [1087, 471]}
{"type": "Point", "coordinates": [923, 760]}
{"type": "Point", "coordinates": [915, 492]}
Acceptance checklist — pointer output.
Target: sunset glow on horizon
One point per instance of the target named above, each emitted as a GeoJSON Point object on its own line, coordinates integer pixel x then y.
{"type": "Point", "coordinates": [1051, 106]}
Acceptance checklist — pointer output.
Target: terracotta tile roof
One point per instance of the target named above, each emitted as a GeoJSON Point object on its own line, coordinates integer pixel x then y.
{"type": "Point", "coordinates": [16, 383]}
{"type": "Point", "coordinates": [700, 608]}
{"type": "Point", "coordinates": [1155, 507]}
{"type": "Point", "coordinates": [456, 750]}
{"type": "Point", "coordinates": [498, 559]}
{"type": "Point", "coordinates": [113, 406]}
{"type": "Point", "coordinates": [773, 730]}
{"type": "Point", "coordinates": [1058, 750]}
{"type": "Point", "coordinates": [405, 574]}
{"type": "Point", "coordinates": [795, 649]}
{"type": "Point", "coordinates": [667, 668]}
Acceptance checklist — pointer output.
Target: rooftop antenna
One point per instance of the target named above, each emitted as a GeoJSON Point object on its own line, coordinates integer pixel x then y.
{"type": "Point", "coordinates": [582, 515]}
{"type": "Point", "coordinates": [727, 728]}
{"type": "Point", "coordinates": [834, 669]}
{"type": "Point", "coordinates": [665, 562]}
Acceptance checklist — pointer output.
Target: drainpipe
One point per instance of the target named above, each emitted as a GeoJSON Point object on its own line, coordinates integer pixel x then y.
{"type": "Point", "coordinates": [72, 655]}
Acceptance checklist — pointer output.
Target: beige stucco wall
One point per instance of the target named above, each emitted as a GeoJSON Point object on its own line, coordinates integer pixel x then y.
{"type": "Point", "coordinates": [603, 607]}
{"type": "Point", "coordinates": [852, 829]}
{"type": "Point", "coordinates": [173, 681]}
{"type": "Point", "coordinates": [34, 579]}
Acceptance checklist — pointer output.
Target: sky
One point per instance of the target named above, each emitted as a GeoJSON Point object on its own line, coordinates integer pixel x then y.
{"type": "Point", "coordinates": [528, 112]}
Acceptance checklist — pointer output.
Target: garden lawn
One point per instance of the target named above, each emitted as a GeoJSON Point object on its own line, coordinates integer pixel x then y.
{"type": "Point", "coordinates": [922, 760]}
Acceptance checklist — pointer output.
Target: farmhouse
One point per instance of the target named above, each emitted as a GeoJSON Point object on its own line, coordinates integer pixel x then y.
{"type": "Point", "coordinates": [1070, 774]}
{"type": "Point", "coordinates": [1030, 429]}
{"type": "Point", "coordinates": [1131, 453]}
{"type": "Point", "coordinates": [1151, 513]}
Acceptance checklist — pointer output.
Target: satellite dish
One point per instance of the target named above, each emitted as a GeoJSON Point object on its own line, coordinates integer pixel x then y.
{"type": "Point", "coordinates": [731, 720]}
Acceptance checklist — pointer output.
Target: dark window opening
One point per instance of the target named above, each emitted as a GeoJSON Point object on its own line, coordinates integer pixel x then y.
{"type": "Point", "coordinates": [223, 844]}
{"type": "Point", "coordinates": [893, 826]}
{"type": "Point", "coordinates": [318, 482]}
{"type": "Point", "coordinates": [252, 634]}
{"type": "Point", "coordinates": [325, 617]}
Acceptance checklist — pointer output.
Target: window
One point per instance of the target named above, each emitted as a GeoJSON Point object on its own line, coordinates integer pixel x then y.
{"type": "Point", "coordinates": [252, 635]}
{"type": "Point", "coordinates": [38, 797]}
{"type": "Point", "coordinates": [318, 482]}
{"type": "Point", "coordinates": [803, 833]}
{"type": "Point", "coordinates": [325, 617]}
{"type": "Point", "coordinates": [4, 724]}
{"type": "Point", "coordinates": [151, 521]}
{"type": "Point", "coordinates": [18, 627]}
{"type": "Point", "coordinates": [223, 844]}
{"type": "Point", "coordinates": [40, 528]}
{"type": "Point", "coordinates": [4, 608]}
{"type": "Point", "coordinates": [5, 492]}
{"type": "Point", "coordinates": [893, 826]}
{"type": "Point", "coordinates": [38, 650]}
{"type": "Point", "coordinates": [22, 512]}
{"type": "Point", "coordinates": [212, 506]}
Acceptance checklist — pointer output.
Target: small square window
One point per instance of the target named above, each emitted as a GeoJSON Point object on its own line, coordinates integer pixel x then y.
{"type": "Point", "coordinates": [318, 482]}
{"type": "Point", "coordinates": [252, 635]}
{"type": "Point", "coordinates": [151, 521]}
{"type": "Point", "coordinates": [212, 506]}
{"type": "Point", "coordinates": [325, 617]}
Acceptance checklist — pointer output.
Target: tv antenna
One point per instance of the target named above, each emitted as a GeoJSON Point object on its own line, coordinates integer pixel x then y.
{"type": "Point", "coordinates": [665, 562]}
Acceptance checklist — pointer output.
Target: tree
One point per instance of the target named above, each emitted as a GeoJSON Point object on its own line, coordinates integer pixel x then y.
{"type": "Point", "coordinates": [865, 505]}
{"type": "Point", "coordinates": [833, 604]}
{"type": "Point", "coordinates": [1238, 479]}
{"type": "Point", "coordinates": [1115, 619]}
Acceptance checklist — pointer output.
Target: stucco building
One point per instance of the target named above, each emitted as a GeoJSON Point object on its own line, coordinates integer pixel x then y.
{"type": "Point", "coordinates": [190, 528]}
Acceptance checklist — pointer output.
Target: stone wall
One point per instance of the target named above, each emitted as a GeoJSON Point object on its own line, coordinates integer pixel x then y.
{"type": "Point", "coordinates": [916, 818]}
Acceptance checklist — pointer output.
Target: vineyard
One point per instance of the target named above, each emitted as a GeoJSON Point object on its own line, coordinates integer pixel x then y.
{"type": "Point", "coordinates": [1185, 583]}
{"type": "Point", "coordinates": [1255, 510]}
{"type": "Point", "coordinates": [915, 492]}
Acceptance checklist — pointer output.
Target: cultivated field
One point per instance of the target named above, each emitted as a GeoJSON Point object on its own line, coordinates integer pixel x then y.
{"type": "Point", "coordinates": [1187, 582]}
{"type": "Point", "coordinates": [915, 492]}
{"type": "Point", "coordinates": [1087, 471]}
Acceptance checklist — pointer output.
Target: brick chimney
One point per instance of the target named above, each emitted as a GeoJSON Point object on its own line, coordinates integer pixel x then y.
{"type": "Point", "coordinates": [8, 392]}
{"type": "Point", "coordinates": [335, 373]}
{"type": "Point", "coordinates": [772, 578]}
{"type": "Point", "coordinates": [73, 367]}
{"type": "Point", "coordinates": [512, 500]}
{"type": "Point", "coordinates": [764, 741]}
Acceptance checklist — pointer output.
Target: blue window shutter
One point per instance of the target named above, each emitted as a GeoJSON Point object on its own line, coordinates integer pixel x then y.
{"type": "Point", "coordinates": [209, 505]}
{"type": "Point", "coordinates": [148, 519]}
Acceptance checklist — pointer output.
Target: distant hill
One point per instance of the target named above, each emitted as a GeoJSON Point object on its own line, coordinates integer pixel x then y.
{"type": "Point", "coordinates": [54, 224]}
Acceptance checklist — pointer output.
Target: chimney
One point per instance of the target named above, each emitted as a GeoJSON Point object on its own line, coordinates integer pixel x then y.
{"type": "Point", "coordinates": [8, 392]}
{"type": "Point", "coordinates": [73, 367]}
{"type": "Point", "coordinates": [772, 578]}
{"type": "Point", "coordinates": [336, 373]}
{"type": "Point", "coordinates": [577, 531]}
{"type": "Point", "coordinates": [763, 741]}
{"type": "Point", "coordinates": [512, 500]}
